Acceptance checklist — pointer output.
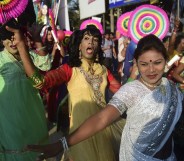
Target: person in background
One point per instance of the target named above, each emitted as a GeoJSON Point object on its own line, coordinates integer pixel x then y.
{"type": "Point", "coordinates": [153, 105]}
{"type": "Point", "coordinates": [123, 44]}
{"type": "Point", "coordinates": [109, 51]}
{"type": "Point", "coordinates": [166, 41]}
{"type": "Point", "coordinates": [114, 59]}
{"type": "Point", "coordinates": [176, 41]}
{"type": "Point", "coordinates": [52, 47]}
{"type": "Point", "coordinates": [178, 76]}
{"type": "Point", "coordinates": [43, 16]}
{"type": "Point", "coordinates": [86, 80]}
{"type": "Point", "coordinates": [129, 58]}
{"type": "Point", "coordinates": [56, 55]}
{"type": "Point", "coordinates": [176, 47]}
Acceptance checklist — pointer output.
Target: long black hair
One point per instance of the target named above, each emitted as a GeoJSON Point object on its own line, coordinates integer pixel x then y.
{"type": "Point", "coordinates": [74, 42]}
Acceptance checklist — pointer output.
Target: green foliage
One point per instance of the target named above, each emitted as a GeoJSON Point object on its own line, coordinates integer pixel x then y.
{"type": "Point", "coordinates": [74, 15]}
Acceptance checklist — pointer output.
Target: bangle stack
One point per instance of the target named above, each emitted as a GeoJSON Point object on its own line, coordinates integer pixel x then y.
{"type": "Point", "coordinates": [64, 143]}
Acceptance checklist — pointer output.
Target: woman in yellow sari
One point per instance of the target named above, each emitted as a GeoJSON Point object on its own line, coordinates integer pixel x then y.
{"type": "Point", "coordinates": [87, 80]}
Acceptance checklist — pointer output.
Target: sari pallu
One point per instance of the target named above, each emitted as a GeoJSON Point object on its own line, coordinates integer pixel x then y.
{"type": "Point", "coordinates": [151, 119]}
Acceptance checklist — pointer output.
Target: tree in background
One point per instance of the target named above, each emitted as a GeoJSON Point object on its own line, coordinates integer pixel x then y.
{"type": "Point", "coordinates": [74, 14]}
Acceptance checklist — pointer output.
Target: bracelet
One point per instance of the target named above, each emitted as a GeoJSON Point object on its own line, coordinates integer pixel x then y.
{"type": "Point", "coordinates": [64, 143]}
{"type": "Point", "coordinates": [37, 79]}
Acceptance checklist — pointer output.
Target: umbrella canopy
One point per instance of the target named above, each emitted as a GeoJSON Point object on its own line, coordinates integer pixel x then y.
{"type": "Point", "coordinates": [11, 9]}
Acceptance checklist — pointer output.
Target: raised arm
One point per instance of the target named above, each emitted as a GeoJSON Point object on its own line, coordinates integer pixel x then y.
{"type": "Point", "coordinates": [52, 78]}
{"type": "Point", "coordinates": [19, 41]}
{"type": "Point", "coordinates": [173, 38]}
{"type": "Point", "coordinates": [177, 71]}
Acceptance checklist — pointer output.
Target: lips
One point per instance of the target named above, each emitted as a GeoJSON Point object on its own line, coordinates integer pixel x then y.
{"type": "Point", "coordinates": [89, 50]}
{"type": "Point", "coordinates": [13, 46]}
{"type": "Point", "coordinates": [152, 76]}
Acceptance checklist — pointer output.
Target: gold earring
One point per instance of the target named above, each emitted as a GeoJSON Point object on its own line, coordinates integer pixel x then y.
{"type": "Point", "coordinates": [97, 57]}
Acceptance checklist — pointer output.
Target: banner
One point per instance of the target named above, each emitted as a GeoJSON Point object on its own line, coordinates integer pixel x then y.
{"type": "Point", "coordinates": [119, 3]}
{"type": "Point", "coordinates": [89, 8]}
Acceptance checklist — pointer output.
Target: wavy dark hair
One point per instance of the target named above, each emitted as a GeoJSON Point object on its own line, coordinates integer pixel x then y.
{"type": "Point", "coordinates": [178, 40]}
{"type": "Point", "coordinates": [74, 42]}
{"type": "Point", "coordinates": [150, 42]}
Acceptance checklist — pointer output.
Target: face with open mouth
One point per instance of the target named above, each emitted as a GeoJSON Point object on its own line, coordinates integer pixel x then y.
{"type": "Point", "coordinates": [88, 47]}
{"type": "Point", "coordinates": [8, 44]}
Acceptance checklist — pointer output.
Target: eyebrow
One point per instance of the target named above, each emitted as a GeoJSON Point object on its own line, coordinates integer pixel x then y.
{"type": "Point", "coordinates": [152, 60]}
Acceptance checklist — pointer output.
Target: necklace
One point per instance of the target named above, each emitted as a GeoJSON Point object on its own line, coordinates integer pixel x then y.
{"type": "Point", "coordinates": [147, 84]}
{"type": "Point", "coordinates": [91, 69]}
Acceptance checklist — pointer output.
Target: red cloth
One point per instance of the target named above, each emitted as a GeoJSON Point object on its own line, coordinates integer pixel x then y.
{"type": "Point", "coordinates": [114, 85]}
{"type": "Point", "coordinates": [53, 79]}
{"type": "Point", "coordinates": [63, 74]}
{"type": "Point", "coordinates": [58, 76]}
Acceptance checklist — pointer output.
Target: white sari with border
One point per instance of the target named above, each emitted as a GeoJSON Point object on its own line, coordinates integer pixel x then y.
{"type": "Point", "coordinates": [151, 118]}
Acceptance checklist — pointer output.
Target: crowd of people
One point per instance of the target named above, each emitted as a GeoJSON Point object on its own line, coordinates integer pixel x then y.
{"type": "Point", "coordinates": [124, 102]}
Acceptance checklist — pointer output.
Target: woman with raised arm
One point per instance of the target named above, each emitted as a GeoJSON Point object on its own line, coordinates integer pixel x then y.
{"type": "Point", "coordinates": [22, 115]}
{"type": "Point", "coordinates": [86, 80]}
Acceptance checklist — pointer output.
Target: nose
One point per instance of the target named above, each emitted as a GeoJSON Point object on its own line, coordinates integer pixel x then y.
{"type": "Point", "coordinates": [151, 68]}
{"type": "Point", "coordinates": [91, 41]}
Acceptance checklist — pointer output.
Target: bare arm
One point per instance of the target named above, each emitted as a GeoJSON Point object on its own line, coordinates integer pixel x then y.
{"type": "Point", "coordinates": [101, 120]}
{"type": "Point", "coordinates": [177, 71]}
{"type": "Point", "coordinates": [23, 51]}
{"type": "Point", "coordinates": [62, 52]}
{"type": "Point", "coordinates": [173, 38]}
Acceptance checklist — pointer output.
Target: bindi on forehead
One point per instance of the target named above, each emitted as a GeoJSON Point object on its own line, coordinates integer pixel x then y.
{"type": "Point", "coordinates": [151, 61]}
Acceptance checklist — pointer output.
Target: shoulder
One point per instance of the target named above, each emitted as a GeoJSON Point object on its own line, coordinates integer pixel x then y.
{"type": "Point", "coordinates": [130, 89]}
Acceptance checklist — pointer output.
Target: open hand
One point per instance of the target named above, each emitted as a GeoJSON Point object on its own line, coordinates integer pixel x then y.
{"type": "Point", "coordinates": [46, 151]}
